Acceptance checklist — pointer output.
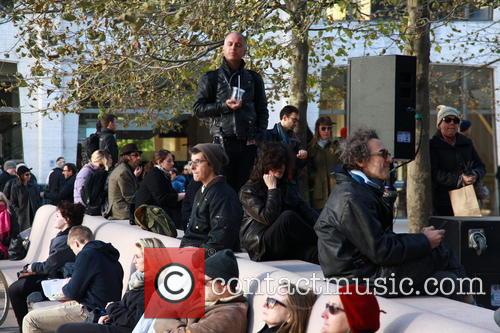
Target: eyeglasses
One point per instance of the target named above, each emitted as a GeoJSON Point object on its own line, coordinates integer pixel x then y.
{"type": "Point", "coordinates": [271, 303]}
{"type": "Point", "coordinates": [384, 153]}
{"type": "Point", "coordinates": [333, 308]}
{"type": "Point", "coordinates": [325, 128]}
{"type": "Point", "coordinates": [451, 119]}
{"type": "Point", "coordinates": [135, 154]}
{"type": "Point", "coordinates": [197, 162]}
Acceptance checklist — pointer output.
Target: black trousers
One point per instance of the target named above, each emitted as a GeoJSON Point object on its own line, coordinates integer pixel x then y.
{"type": "Point", "coordinates": [241, 160]}
{"type": "Point", "coordinates": [92, 328]}
{"type": "Point", "coordinates": [19, 291]}
{"type": "Point", "coordinates": [290, 237]}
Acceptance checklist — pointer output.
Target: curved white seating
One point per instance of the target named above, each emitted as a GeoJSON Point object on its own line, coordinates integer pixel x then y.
{"type": "Point", "coordinates": [415, 314]}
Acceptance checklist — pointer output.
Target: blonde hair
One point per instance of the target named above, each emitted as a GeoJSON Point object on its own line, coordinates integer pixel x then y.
{"type": "Point", "coordinates": [3, 198]}
{"type": "Point", "coordinates": [101, 158]}
{"type": "Point", "coordinates": [149, 243]}
{"type": "Point", "coordinates": [299, 304]}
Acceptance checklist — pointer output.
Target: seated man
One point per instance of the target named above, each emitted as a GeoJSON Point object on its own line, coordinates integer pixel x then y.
{"type": "Point", "coordinates": [225, 309]}
{"type": "Point", "coordinates": [216, 215]}
{"type": "Point", "coordinates": [355, 237]}
{"type": "Point", "coordinates": [123, 183]}
{"type": "Point", "coordinates": [96, 280]}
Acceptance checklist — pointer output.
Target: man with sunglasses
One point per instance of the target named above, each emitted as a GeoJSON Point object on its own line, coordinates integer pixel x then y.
{"type": "Point", "coordinates": [454, 161]}
{"type": "Point", "coordinates": [355, 237]}
{"type": "Point", "coordinates": [123, 183]}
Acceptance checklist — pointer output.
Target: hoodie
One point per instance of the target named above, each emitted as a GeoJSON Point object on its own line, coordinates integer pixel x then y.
{"type": "Point", "coordinates": [97, 278]}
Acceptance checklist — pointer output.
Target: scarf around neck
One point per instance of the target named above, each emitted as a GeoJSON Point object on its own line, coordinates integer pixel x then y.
{"type": "Point", "coordinates": [136, 280]}
{"type": "Point", "coordinates": [361, 178]}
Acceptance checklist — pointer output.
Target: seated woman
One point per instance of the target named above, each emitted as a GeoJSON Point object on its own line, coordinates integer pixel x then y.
{"type": "Point", "coordinates": [352, 310]}
{"type": "Point", "coordinates": [277, 222]}
{"type": "Point", "coordinates": [5, 226]}
{"type": "Point", "coordinates": [156, 188]}
{"type": "Point", "coordinates": [288, 310]}
{"type": "Point", "coordinates": [30, 279]}
{"type": "Point", "coordinates": [122, 316]}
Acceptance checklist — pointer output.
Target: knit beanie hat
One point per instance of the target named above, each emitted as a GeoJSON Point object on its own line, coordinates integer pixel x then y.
{"type": "Point", "coordinates": [443, 111]}
{"type": "Point", "coordinates": [361, 308]}
{"type": "Point", "coordinates": [215, 155]}
{"type": "Point", "coordinates": [9, 165]}
{"type": "Point", "coordinates": [222, 265]}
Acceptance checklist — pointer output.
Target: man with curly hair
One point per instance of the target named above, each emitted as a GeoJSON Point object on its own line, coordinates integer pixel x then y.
{"type": "Point", "coordinates": [355, 237]}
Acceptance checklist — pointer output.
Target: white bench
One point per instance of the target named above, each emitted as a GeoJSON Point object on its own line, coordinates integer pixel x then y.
{"type": "Point", "coordinates": [415, 314]}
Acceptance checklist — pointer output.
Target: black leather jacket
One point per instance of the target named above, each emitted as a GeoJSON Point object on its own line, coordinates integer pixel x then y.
{"type": "Point", "coordinates": [355, 237]}
{"type": "Point", "coordinates": [262, 207]}
{"type": "Point", "coordinates": [215, 87]}
{"type": "Point", "coordinates": [215, 219]}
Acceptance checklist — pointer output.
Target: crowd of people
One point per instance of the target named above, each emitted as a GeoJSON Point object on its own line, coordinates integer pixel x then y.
{"type": "Point", "coordinates": [238, 193]}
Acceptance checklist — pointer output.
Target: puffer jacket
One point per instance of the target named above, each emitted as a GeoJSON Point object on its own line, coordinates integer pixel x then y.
{"type": "Point", "coordinates": [448, 163]}
{"type": "Point", "coordinates": [215, 219]}
{"type": "Point", "coordinates": [215, 87]}
{"type": "Point", "coordinates": [355, 237]}
{"type": "Point", "coordinates": [262, 207]}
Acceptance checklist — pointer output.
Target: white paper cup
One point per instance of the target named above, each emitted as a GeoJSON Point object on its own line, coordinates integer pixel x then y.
{"type": "Point", "coordinates": [237, 93]}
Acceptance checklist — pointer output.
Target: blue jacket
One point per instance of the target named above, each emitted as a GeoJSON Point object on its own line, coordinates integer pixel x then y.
{"type": "Point", "coordinates": [97, 278]}
{"type": "Point", "coordinates": [59, 254]}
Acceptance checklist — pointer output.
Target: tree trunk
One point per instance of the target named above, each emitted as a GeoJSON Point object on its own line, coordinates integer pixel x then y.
{"type": "Point", "coordinates": [418, 195]}
{"type": "Point", "coordinates": [299, 66]}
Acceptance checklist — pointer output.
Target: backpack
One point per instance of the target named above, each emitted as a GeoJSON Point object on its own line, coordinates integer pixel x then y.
{"type": "Point", "coordinates": [94, 192]}
{"type": "Point", "coordinates": [91, 144]}
{"type": "Point", "coordinates": [154, 219]}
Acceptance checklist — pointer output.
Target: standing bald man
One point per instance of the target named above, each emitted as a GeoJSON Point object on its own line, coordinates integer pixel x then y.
{"type": "Point", "coordinates": [236, 122]}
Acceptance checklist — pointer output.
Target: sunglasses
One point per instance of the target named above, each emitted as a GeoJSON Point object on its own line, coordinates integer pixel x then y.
{"type": "Point", "coordinates": [451, 119]}
{"type": "Point", "coordinates": [135, 154]}
{"type": "Point", "coordinates": [325, 128]}
{"type": "Point", "coordinates": [333, 309]}
{"type": "Point", "coordinates": [271, 303]}
{"type": "Point", "coordinates": [384, 153]}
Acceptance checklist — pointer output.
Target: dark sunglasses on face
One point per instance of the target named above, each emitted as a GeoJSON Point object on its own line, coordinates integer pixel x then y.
{"type": "Point", "coordinates": [451, 119]}
{"type": "Point", "coordinates": [384, 153]}
{"type": "Point", "coordinates": [27, 174]}
{"type": "Point", "coordinates": [135, 154]}
{"type": "Point", "coordinates": [333, 309]}
{"type": "Point", "coordinates": [271, 303]}
{"type": "Point", "coordinates": [325, 128]}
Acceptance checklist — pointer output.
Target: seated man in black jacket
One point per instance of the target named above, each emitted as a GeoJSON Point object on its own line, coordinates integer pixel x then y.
{"type": "Point", "coordinates": [355, 237]}
{"type": "Point", "coordinates": [96, 280]}
{"type": "Point", "coordinates": [216, 216]}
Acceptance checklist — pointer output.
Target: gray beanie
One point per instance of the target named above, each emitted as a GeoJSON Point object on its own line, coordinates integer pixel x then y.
{"type": "Point", "coordinates": [443, 111]}
{"type": "Point", "coordinates": [215, 155]}
{"type": "Point", "coordinates": [10, 164]}
{"type": "Point", "coordinates": [222, 265]}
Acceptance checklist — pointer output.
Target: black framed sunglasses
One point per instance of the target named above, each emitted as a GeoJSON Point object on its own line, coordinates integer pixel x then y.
{"type": "Point", "coordinates": [271, 303]}
{"type": "Point", "coordinates": [384, 153]}
{"type": "Point", "coordinates": [451, 119]}
{"type": "Point", "coordinates": [325, 128]}
{"type": "Point", "coordinates": [333, 308]}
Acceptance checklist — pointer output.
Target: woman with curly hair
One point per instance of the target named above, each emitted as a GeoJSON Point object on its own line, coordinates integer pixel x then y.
{"type": "Point", "coordinates": [30, 279]}
{"type": "Point", "coordinates": [277, 223]}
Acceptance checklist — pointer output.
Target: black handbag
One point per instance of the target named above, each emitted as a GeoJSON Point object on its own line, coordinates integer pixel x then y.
{"type": "Point", "coordinates": [18, 248]}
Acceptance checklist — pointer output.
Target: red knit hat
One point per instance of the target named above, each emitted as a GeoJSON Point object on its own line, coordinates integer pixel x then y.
{"type": "Point", "coordinates": [361, 308]}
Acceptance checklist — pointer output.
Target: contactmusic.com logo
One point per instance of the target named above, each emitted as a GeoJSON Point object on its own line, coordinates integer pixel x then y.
{"type": "Point", "coordinates": [174, 285]}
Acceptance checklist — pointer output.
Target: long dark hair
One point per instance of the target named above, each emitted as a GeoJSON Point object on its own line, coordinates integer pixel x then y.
{"type": "Point", "coordinates": [325, 121]}
{"type": "Point", "coordinates": [271, 156]}
{"type": "Point", "coordinates": [158, 157]}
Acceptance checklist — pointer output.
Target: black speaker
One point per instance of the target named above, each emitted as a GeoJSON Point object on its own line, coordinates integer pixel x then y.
{"type": "Point", "coordinates": [476, 243]}
{"type": "Point", "coordinates": [381, 95]}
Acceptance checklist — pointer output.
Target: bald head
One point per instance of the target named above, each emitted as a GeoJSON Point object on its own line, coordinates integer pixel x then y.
{"type": "Point", "coordinates": [234, 48]}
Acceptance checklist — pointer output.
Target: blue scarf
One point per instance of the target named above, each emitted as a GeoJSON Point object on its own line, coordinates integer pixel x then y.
{"type": "Point", "coordinates": [361, 178]}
